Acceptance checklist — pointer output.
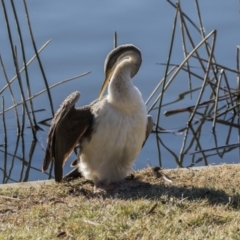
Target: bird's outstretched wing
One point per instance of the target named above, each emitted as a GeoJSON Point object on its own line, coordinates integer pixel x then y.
{"type": "Point", "coordinates": [67, 127]}
{"type": "Point", "coordinates": [149, 128]}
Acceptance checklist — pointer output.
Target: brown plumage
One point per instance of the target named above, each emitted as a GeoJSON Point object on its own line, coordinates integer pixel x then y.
{"type": "Point", "coordinates": [65, 132]}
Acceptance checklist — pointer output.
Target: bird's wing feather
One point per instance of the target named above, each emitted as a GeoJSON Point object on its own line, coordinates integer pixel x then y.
{"type": "Point", "coordinates": [149, 128]}
{"type": "Point", "coordinates": [67, 127]}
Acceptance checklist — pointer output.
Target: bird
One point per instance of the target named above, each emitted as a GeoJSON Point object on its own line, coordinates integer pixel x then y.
{"type": "Point", "coordinates": [110, 131]}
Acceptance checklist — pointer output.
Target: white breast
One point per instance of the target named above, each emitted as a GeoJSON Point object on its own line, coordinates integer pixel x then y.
{"type": "Point", "coordinates": [119, 133]}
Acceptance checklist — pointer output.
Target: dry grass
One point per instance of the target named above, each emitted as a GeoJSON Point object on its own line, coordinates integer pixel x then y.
{"type": "Point", "coordinates": [198, 204]}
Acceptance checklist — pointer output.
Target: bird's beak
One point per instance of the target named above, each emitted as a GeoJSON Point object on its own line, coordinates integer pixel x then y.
{"type": "Point", "coordinates": [105, 83]}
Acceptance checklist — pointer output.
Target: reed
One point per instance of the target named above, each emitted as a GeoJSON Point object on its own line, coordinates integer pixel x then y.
{"type": "Point", "coordinates": [213, 76]}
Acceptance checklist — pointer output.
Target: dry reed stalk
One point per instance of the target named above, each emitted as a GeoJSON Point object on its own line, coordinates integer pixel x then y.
{"type": "Point", "coordinates": [12, 96]}
{"type": "Point", "coordinates": [184, 47]}
{"type": "Point", "coordinates": [23, 96]}
{"type": "Point", "coordinates": [206, 74]}
{"type": "Point", "coordinates": [11, 162]}
{"type": "Point", "coordinates": [216, 100]}
{"type": "Point", "coordinates": [24, 61]}
{"type": "Point", "coordinates": [166, 70]}
{"type": "Point", "coordinates": [115, 40]}
{"type": "Point", "coordinates": [38, 58]}
{"type": "Point", "coordinates": [43, 91]}
{"type": "Point", "coordinates": [238, 88]}
{"type": "Point", "coordinates": [23, 68]}
{"type": "Point", "coordinates": [156, 89]}
{"type": "Point", "coordinates": [5, 144]}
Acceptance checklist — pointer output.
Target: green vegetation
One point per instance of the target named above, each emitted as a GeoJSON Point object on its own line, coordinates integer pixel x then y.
{"type": "Point", "coordinates": [153, 204]}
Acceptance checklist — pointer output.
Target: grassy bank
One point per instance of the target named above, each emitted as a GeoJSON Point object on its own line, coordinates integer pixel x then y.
{"type": "Point", "coordinates": [153, 204]}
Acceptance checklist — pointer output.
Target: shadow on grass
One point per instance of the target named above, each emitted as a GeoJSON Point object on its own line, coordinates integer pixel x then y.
{"type": "Point", "coordinates": [135, 189]}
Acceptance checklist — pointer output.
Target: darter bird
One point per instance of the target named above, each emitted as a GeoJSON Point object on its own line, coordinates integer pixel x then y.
{"type": "Point", "coordinates": [110, 131]}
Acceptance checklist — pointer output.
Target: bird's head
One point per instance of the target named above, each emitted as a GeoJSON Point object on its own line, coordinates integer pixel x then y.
{"type": "Point", "coordinates": [115, 57]}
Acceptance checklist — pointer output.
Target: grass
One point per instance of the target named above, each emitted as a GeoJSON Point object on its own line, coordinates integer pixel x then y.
{"type": "Point", "coordinates": [154, 204]}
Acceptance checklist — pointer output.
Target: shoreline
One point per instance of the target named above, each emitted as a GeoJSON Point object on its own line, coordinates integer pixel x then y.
{"type": "Point", "coordinates": [40, 183]}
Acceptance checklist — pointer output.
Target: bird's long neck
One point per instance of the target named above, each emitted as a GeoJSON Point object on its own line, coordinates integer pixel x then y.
{"type": "Point", "coordinates": [121, 92]}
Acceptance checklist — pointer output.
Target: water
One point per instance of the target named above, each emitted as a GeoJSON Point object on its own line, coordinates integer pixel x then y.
{"type": "Point", "coordinates": [82, 35]}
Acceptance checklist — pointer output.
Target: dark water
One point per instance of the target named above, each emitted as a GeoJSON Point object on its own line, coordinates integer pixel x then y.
{"type": "Point", "coordinates": [82, 36]}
